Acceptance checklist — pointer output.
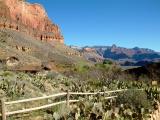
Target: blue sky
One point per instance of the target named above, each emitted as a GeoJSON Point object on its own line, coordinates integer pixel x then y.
{"type": "Point", "coordinates": [126, 23]}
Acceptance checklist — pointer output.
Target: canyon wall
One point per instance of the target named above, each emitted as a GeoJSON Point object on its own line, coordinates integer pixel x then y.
{"type": "Point", "coordinates": [30, 19]}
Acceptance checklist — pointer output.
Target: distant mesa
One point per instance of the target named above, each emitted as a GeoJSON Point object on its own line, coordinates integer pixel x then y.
{"type": "Point", "coordinates": [30, 19]}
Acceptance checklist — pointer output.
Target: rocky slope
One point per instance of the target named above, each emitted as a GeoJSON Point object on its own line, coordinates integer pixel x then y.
{"type": "Point", "coordinates": [28, 18]}
{"type": "Point", "coordinates": [91, 54]}
{"type": "Point", "coordinates": [19, 51]}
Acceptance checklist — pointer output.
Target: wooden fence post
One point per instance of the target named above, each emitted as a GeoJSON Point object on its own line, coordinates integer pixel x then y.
{"type": "Point", "coordinates": [3, 108]}
{"type": "Point", "coordinates": [68, 95]}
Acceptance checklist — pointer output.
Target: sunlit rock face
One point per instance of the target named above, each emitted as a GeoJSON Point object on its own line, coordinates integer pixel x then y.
{"type": "Point", "coordinates": [30, 19]}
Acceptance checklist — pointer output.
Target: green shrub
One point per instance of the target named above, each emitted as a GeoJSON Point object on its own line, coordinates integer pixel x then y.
{"type": "Point", "coordinates": [134, 98]}
{"type": "Point", "coordinates": [107, 62]}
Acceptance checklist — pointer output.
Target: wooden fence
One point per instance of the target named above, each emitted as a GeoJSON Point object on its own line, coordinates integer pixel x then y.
{"type": "Point", "coordinates": [6, 113]}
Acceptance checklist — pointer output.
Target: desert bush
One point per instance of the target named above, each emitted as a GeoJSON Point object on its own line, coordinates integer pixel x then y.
{"type": "Point", "coordinates": [136, 99]}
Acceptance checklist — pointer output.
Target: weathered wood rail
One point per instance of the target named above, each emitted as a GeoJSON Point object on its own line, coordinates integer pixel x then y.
{"type": "Point", "coordinates": [5, 113]}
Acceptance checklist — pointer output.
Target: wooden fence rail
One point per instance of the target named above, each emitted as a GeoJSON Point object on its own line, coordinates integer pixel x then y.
{"type": "Point", "coordinates": [39, 108]}
{"type": "Point", "coordinates": [5, 113]}
{"type": "Point", "coordinates": [34, 99]}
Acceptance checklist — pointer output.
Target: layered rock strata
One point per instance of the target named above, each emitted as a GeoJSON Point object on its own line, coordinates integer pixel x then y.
{"type": "Point", "coordinates": [30, 19]}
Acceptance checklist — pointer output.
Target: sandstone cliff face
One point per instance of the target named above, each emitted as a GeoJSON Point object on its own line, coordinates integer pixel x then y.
{"type": "Point", "coordinates": [28, 18]}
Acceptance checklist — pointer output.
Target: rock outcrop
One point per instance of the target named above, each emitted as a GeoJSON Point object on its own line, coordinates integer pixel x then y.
{"type": "Point", "coordinates": [30, 19]}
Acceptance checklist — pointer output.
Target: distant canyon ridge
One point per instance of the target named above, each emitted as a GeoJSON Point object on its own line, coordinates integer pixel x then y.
{"type": "Point", "coordinates": [28, 18]}
{"type": "Point", "coordinates": [125, 56]}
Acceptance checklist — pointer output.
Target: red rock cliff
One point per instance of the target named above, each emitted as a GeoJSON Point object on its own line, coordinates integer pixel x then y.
{"type": "Point", "coordinates": [29, 18]}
